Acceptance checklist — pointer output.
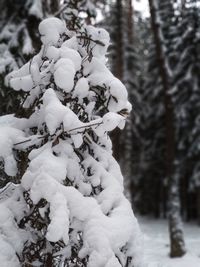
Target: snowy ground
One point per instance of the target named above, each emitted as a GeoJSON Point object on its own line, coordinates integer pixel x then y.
{"type": "Point", "coordinates": [156, 244]}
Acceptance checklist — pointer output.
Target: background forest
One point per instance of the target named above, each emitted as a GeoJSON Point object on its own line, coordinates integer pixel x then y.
{"type": "Point", "coordinates": [157, 56]}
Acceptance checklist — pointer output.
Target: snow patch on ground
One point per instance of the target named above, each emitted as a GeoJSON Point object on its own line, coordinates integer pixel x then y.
{"type": "Point", "coordinates": [156, 244]}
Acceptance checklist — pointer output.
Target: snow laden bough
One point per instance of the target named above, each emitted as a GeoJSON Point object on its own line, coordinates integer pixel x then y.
{"type": "Point", "coordinates": [69, 208]}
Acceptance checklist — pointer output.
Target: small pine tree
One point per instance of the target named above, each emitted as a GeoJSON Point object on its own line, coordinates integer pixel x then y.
{"type": "Point", "coordinates": [69, 208]}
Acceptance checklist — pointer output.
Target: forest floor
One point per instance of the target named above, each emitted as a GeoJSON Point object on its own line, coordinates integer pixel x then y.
{"type": "Point", "coordinates": [156, 244]}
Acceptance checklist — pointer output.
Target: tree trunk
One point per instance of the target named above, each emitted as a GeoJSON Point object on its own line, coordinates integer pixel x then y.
{"type": "Point", "coordinates": [177, 243]}
{"type": "Point", "coordinates": [118, 72]}
{"type": "Point", "coordinates": [119, 59]}
{"type": "Point", "coordinates": [127, 135]}
{"type": "Point", "coordinates": [176, 233]}
{"type": "Point", "coordinates": [130, 21]}
{"type": "Point", "coordinates": [198, 204]}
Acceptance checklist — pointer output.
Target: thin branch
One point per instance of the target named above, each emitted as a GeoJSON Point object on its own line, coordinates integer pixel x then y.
{"type": "Point", "coordinates": [86, 126]}
{"type": "Point", "coordinates": [90, 39]}
{"type": "Point", "coordinates": [29, 140]}
{"type": "Point", "coordinates": [22, 142]}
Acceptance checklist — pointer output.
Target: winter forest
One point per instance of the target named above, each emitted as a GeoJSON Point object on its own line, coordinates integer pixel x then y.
{"type": "Point", "coordinates": [100, 133]}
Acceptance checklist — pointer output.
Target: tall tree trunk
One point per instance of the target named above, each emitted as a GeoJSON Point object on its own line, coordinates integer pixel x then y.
{"type": "Point", "coordinates": [130, 21]}
{"type": "Point", "coordinates": [176, 234]}
{"type": "Point", "coordinates": [118, 71]}
{"type": "Point", "coordinates": [120, 52]}
{"type": "Point", "coordinates": [127, 136]}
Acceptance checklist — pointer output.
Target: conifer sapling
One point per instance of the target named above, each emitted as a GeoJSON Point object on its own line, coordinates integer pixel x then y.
{"type": "Point", "coordinates": [69, 208]}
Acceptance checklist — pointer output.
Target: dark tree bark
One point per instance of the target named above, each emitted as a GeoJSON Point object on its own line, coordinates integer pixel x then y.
{"type": "Point", "coordinates": [127, 135]}
{"type": "Point", "coordinates": [118, 71]}
{"type": "Point", "coordinates": [130, 21]}
{"type": "Point", "coordinates": [119, 59]}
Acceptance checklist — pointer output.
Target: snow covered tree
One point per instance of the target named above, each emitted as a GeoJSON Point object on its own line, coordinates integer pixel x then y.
{"type": "Point", "coordinates": [68, 208]}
